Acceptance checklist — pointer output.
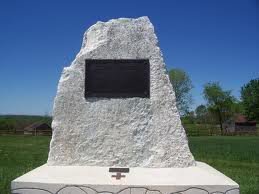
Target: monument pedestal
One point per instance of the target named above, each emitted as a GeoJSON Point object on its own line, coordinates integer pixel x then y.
{"type": "Point", "coordinates": [200, 179]}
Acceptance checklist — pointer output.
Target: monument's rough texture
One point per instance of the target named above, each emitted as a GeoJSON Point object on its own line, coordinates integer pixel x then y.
{"type": "Point", "coordinates": [132, 132]}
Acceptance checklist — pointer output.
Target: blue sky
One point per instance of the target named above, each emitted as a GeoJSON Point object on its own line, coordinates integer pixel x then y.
{"type": "Point", "coordinates": [212, 40]}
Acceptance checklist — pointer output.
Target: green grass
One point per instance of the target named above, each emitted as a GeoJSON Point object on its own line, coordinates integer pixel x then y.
{"type": "Point", "coordinates": [237, 157]}
{"type": "Point", "coordinates": [18, 155]}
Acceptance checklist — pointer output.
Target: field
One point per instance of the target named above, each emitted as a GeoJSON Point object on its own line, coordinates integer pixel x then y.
{"type": "Point", "coordinates": [237, 157]}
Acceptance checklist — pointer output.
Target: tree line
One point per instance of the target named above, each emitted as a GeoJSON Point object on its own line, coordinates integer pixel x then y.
{"type": "Point", "coordinates": [14, 123]}
{"type": "Point", "coordinates": [220, 105]}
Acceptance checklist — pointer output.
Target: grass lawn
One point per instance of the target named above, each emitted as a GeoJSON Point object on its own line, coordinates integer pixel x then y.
{"type": "Point", "coordinates": [237, 157]}
{"type": "Point", "coordinates": [18, 155]}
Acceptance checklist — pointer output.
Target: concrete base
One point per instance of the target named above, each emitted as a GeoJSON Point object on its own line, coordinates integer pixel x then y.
{"type": "Point", "coordinates": [201, 179]}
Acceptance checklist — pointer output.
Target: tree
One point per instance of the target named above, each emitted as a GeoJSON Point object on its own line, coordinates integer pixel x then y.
{"type": "Point", "coordinates": [188, 118]}
{"type": "Point", "coordinates": [7, 125]}
{"type": "Point", "coordinates": [201, 113]}
{"type": "Point", "coordinates": [182, 86]}
{"type": "Point", "coordinates": [219, 102]}
{"type": "Point", "coordinates": [4, 125]}
{"type": "Point", "coordinates": [238, 107]}
{"type": "Point", "coordinates": [250, 99]}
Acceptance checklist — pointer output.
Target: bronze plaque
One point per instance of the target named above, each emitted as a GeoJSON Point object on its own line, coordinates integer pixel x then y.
{"type": "Point", "coordinates": [123, 78]}
{"type": "Point", "coordinates": [124, 170]}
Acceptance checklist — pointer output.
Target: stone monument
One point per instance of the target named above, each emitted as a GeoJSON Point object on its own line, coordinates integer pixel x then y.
{"type": "Point", "coordinates": [116, 128]}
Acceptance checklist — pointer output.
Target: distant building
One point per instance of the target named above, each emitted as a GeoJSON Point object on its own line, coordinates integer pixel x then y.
{"type": "Point", "coordinates": [239, 125]}
{"type": "Point", "coordinates": [38, 129]}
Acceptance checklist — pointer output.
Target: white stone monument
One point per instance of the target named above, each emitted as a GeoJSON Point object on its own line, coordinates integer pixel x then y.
{"type": "Point", "coordinates": [142, 137]}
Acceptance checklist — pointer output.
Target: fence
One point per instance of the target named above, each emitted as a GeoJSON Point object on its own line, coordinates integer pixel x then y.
{"type": "Point", "coordinates": [210, 130]}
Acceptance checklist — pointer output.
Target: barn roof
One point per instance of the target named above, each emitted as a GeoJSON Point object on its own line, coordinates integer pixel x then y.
{"type": "Point", "coordinates": [243, 119]}
{"type": "Point", "coordinates": [35, 125]}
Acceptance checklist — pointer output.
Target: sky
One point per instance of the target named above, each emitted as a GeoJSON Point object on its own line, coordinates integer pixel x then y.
{"type": "Point", "coordinates": [212, 40]}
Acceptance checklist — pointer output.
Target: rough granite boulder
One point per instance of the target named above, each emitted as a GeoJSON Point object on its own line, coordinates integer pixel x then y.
{"type": "Point", "coordinates": [129, 132]}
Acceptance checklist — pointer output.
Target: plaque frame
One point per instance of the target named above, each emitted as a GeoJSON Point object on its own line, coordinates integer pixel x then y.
{"type": "Point", "coordinates": [144, 65]}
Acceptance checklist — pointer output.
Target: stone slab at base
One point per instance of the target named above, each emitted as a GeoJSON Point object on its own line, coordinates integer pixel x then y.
{"type": "Point", "coordinates": [201, 179]}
